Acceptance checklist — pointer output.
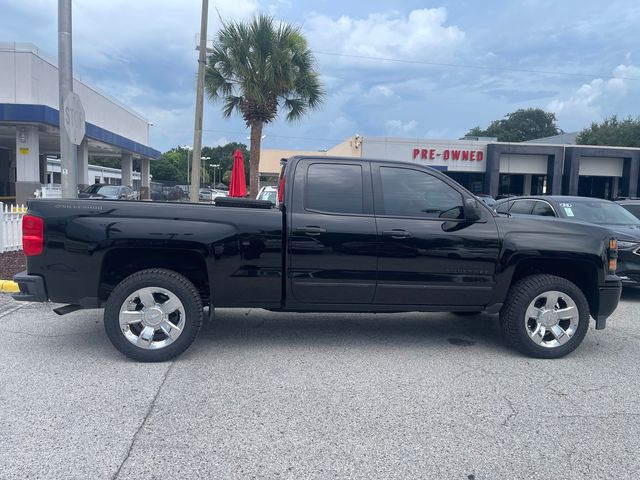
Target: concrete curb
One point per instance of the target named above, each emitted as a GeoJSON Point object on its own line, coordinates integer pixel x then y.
{"type": "Point", "coordinates": [8, 286]}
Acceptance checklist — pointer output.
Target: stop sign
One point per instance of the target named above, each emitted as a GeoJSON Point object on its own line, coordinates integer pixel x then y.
{"type": "Point", "coordinates": [73, 118]}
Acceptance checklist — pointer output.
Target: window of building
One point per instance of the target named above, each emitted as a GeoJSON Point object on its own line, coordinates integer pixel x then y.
{"type": "Point", "coordinates": [408, 192]}
{"type": "Point", "coordinates": [334, 188]}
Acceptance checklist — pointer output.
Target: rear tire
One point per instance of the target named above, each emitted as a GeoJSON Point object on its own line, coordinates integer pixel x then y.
{"type": "Point", "coordinates": [153, 315]}
{"type": "Point", "coordinates": [545, 316]}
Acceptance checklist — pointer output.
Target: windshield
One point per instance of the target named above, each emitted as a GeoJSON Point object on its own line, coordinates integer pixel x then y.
{"type": "Point", "coordinates": [598, 211]}
{"type": "Point", "coordinates": [106, 190]}
{"type": "Point", "coordinates": [269, 195]}
{"type": "Point", "coordinates": [92, 188]}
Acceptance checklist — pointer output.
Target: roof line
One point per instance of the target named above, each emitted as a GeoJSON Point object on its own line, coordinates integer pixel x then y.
{"type": "Point", "coordinates": [11, 112]}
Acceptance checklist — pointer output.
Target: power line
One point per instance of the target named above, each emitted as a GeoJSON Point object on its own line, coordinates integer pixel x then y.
{"type": "Point", "coordinates": [476, 67]}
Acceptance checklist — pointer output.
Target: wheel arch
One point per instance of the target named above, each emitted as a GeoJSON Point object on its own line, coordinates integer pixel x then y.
{"type": "Point", "coordinates": [119, 263]}
{"type": "Point", "coordinates": [582, 273]}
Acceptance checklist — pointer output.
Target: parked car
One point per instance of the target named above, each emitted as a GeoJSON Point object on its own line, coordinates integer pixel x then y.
{"type": "Point", "coordinates": [631, 204]}
{"type": "Point", "coordinates": [210, 194]}
{"type": "Point", "coordinates": [488, 199]}
{"type": "Point", "coordinates": [111, 192]}
{"type": "Point", "coordinates": [204, 195]}
{"type": "Point", "coordinates": [268, 193]}
{"type": "Point", "coordinates": [621, 222]}
{"type": "Point", "coordinates": [215, 193]}
{"type": "Point", "coordinates": [355, 235]}
{"type": "Point", "coordinates": [185, 191]}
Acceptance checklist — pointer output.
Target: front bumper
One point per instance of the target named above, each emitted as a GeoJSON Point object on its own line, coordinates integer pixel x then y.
{"type": "Point", "coordinates": [608, 298]}
{"type": "Point", "coordinates": [32, 288]}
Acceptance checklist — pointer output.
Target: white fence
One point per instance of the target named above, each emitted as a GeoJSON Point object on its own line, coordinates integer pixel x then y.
{"type": "Point", "coordinates": [11, 227]}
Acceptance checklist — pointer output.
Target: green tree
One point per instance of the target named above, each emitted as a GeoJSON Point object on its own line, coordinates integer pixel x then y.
{"type": "Point", "coordinates": [164, 170]}
{"type": "Point", "coordinates": [611, 131]}
{"type": "Point", "coordinates": [520, 126]}
{"type": "Point", "coordinates": [223, 156]}
{"type": "Point", "coordinates": [257, 67]}
{"type": "Point", "coordinates": [105, 162]}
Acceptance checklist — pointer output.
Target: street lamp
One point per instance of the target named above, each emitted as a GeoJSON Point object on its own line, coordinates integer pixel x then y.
{"type": "Point", "coordinates": [202, 166]}
{"type": "Point", "coordinates": [215, 167]}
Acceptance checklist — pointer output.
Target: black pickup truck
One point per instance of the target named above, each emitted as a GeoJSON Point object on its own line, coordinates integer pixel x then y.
{"type": "Point", "coordinates": [348, 235]}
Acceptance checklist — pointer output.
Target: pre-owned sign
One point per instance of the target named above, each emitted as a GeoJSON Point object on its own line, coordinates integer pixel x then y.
{"type": "Point", "coordinates": [448, 154]}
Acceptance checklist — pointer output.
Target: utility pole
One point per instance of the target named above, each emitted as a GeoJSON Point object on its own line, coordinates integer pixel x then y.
{"type": "Point", "coordinates": [197, 131]}
{"type": "Point", "coordinates": [68, 151]}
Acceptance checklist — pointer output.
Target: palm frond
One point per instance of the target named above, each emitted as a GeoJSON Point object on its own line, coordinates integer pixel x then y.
{"type": "Point", "coordinates": [231, 103]}
{"type": "Point", "coordinates": [255, 66]}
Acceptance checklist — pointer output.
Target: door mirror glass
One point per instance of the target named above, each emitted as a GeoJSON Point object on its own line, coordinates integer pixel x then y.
{"type": "Point", "coordinates": [472, 212]}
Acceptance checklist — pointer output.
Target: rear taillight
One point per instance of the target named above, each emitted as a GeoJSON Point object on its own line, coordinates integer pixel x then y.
{"type": "Point", "coordinates": [32, 235]}
{"type": "Point", "coordinates": [281, 189]}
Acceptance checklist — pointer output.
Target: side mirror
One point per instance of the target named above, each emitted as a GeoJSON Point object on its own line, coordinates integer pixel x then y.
{"type": "Point", "coordinates": [472, 211]}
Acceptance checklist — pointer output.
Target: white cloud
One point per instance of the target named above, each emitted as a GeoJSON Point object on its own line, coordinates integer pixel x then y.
{"type": "Point", "coordinates": [120, 31]}
{"type": "Point", "coordinates": [597, 99]}
{"type": "Point", "coordinates": [422, 33]}
{"type": "Point", "coordinates": [381, 91]}
{"type": "Point", "coordinates": [396, 127]}
{"type": "Point", "coordinates": [216, 143]}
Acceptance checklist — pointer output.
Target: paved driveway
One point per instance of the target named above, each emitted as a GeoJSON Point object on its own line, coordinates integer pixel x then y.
{"type": "Point", "coordinates": [271, 395]}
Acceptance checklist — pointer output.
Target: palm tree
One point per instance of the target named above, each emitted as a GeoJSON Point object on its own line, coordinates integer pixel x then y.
{"type": "Point", "coordinates": [257, 67]}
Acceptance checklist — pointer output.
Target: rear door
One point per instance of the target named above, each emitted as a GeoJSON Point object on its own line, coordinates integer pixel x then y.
{"type": "Point", "coordinates": [429, 254]}
{"type": "Point", "coordinates": [332, 234]}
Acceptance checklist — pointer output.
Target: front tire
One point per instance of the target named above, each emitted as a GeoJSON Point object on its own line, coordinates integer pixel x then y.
{"type": "Point", "coordinates": [153, 315]}
{"type": "Point", "coordinates": [545, 316]}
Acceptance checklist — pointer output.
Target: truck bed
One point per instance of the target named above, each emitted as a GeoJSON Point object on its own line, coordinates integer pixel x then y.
{"type": "Point", "coordinates": [91, 245]}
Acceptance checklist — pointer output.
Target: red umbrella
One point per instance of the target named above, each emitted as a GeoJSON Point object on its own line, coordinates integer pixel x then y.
{"type": "Point", "coordinates": [238, 187]}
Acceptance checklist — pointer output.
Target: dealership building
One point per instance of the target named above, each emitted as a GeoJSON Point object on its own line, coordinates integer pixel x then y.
{"type": "Point", "coordinates": [29, 128]}
{"type": "Point", "coordinates": [549, 166]}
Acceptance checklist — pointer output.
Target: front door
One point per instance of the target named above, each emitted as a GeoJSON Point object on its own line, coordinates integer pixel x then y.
{"type": "Point", "coordinates": [332, 250]}
{"type": "Point", "coordinates": [429, 255]}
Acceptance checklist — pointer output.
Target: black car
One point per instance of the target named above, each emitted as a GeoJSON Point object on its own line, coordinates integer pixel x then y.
{"type": "Point", "coordinates": [631, 204]}
{"type": "Point", "coordinates": [111, 192]}
{"type": "Point", "coordinates": [621, 222]}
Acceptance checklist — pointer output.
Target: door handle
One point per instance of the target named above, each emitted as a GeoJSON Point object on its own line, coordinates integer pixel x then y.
{"type": "Point", "coordinates": [311, 230]}
{"type": "Point", "coordinates": [397, 233]}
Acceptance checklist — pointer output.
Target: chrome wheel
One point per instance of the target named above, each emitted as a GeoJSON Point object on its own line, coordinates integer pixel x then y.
{"type": "Point", "coordinates": [552, 319]}
{"type": "Point", "coordinates": [152, 318]}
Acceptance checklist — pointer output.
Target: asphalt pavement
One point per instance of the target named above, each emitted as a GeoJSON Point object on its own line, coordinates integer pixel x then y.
{"type": "Point", "coordinates": [269, 395]}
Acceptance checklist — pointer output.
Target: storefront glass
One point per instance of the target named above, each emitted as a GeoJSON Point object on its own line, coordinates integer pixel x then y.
{"type": "Point", "coordinates": [599, 187]}
{"type": "Point", "coordinates": [511, 184]}
{"type": "Point", "coordinates": [474, 182]}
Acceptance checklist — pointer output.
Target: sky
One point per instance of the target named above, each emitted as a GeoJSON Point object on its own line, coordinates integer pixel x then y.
{"type": "Point", "coordinates": [408, 68]}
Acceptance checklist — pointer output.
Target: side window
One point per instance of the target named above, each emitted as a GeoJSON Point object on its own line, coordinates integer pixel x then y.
{"type": "Point", "coordinates": [408, 192]}
{"type": "Point", "coordinates": [543, 209]}
{"type": "Point", "coordinates": [334, 188]}
{"type": "Point", "coordinates": [522, 207]}
{"type": "Point", "coordinates": [635, 209]}
{"type": "Point", "coordinates": [504, 207]}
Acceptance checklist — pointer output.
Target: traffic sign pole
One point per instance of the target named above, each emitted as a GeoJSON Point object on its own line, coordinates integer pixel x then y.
{"type": "Point", "coordinates": [68, 151]}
